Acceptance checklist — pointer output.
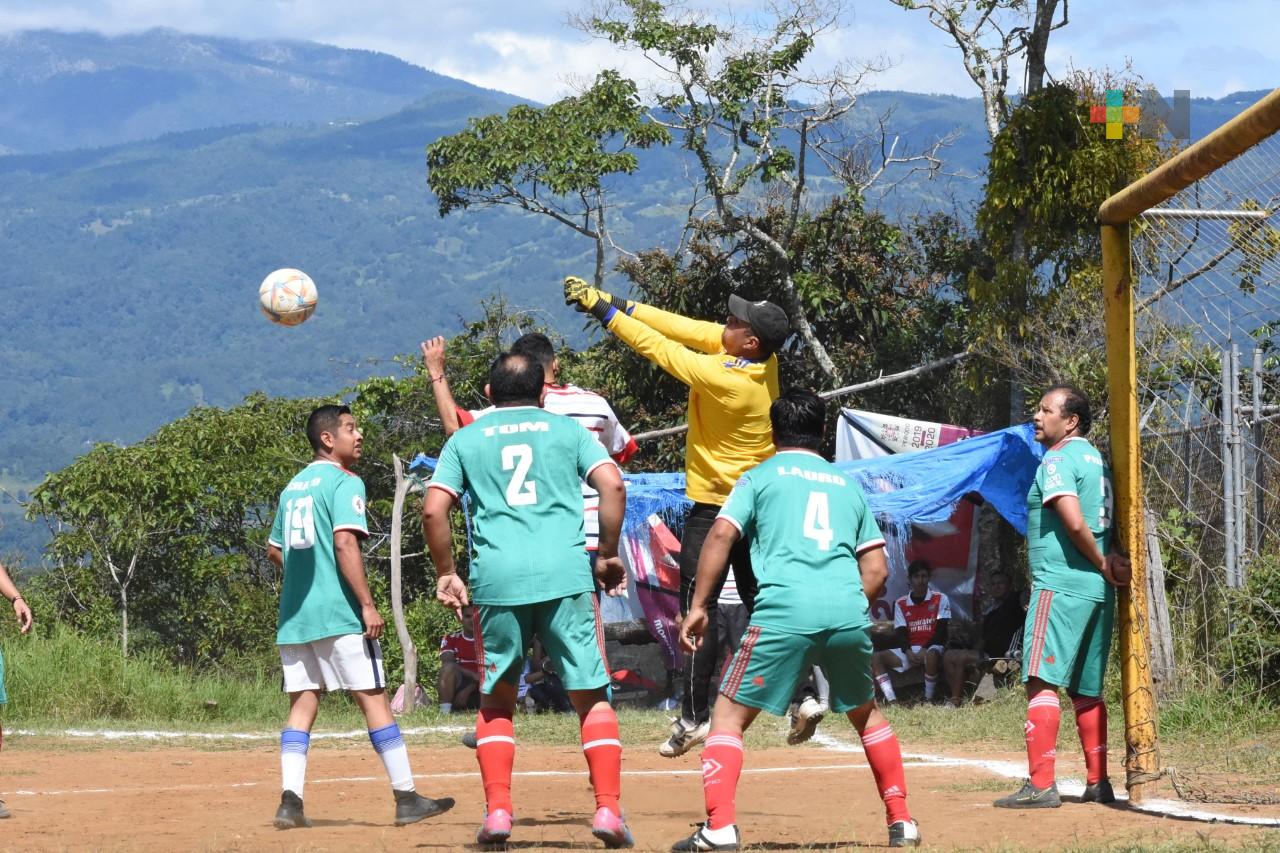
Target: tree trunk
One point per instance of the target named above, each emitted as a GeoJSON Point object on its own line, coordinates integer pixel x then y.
{"type": "Point", "coordinates": [124, 621]}
{"type": "Point", "coordinates": [1038, 44]}
{"type": "Point", "coordinates": [397, 590]}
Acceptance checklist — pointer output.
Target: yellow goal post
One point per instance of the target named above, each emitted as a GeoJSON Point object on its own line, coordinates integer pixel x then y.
{"type": "Point", "coordinates": [1142, 762]}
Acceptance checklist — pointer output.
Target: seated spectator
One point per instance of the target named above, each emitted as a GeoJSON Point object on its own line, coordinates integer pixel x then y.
{"type": "Point", "coordinates": [459, 681]}
{"type": "Point", "coordinates": [544, 691]}
{"type": "Point", "coordinates": [1001, 635]}
{"type": "Point", "coordinates": [920, 620]}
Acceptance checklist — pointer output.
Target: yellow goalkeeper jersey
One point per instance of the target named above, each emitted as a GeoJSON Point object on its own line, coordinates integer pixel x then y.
{"type": "Point", "coordinates": [729, 397]}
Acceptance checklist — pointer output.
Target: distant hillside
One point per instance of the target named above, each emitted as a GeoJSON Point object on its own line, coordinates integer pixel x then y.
{"type": "Point", "coordinates": [130, 272]}
{"type": "Point", "coordinates": [78, 90]}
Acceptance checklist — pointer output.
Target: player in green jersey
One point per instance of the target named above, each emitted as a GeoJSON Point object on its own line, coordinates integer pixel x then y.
{"type": "Point", "coordinates": [522, 469]}
{"type": "Point", "coordinates": [1074, 572]}
{"type": "Point", "coordinates": [819, 559]}
{"type": "Point", "coordinates": [329, 628]}
{"type": "Point", "coordinates": [20, 609]}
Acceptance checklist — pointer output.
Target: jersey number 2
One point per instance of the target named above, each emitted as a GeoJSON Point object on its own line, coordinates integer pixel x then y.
{"type": "Point", "coordinates": [300, 523]}
{"type": "Point", "coordinates": [520, 491]}
{"type": "Point", "coordinates": [817, 521]}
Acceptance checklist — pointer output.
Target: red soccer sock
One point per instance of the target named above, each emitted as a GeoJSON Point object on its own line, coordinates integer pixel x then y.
{"type": "Point", "coordinates": [721, 767]}
{"type": "Point", "coordinates": [1043, 713]}
{"type": "Point", "coordinates": [496, 752]}
{"type": "Point", "coordinates": [1091, 723]}
{"type": "Point", "coordinates": [885, 757]}
{"type": "Point", "coordinates": [603, 750]}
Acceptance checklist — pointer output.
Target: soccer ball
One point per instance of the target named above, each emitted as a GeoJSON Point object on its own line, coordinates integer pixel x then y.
{"type": "Point", "coordinates": [288, 297]}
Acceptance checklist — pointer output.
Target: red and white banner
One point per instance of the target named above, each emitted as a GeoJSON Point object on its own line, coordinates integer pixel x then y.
{"type": "Point", "coordinates": [951, 547]}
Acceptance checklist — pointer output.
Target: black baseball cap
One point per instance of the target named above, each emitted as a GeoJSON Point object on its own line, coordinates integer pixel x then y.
{"type": "Point", "coordinates": [768, 321]}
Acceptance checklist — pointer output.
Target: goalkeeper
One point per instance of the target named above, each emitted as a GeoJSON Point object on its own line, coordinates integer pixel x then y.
{"type": "Point", "coordinates": [732, 374]}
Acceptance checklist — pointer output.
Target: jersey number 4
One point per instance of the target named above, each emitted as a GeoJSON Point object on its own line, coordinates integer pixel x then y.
{"type": "Point", "coordinates": [300, 523]}
{"type": "Point", "coordinates": [521, 491]}
{"type": "Point", "coordinates": [817, 521]}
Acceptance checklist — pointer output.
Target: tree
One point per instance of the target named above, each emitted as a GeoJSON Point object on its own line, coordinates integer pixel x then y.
{"type": "Point", "coordinates": [550, 160]}
{"type": "Point", "coordinates": [174, 527]}
{"type": "Point", "coordinates": [743, 103]}
{"type": "Point", "coordinates": [989, 33]}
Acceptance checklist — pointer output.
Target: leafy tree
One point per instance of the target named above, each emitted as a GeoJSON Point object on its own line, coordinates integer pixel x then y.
{"type": "Point", "coordinates": [173, 528]}
{"type": "Point", "coordinates": [548, 160]}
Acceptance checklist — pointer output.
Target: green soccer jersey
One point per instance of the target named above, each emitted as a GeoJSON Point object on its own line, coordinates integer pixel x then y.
{"type": "Point", "coordinates": [807, 523]}
{"type": "Point", "coordinates": [316, 601]}
{"type": "Point", "coordinates": [523, 468]}
{"type": "Point", "coordinates": [1074, 467]}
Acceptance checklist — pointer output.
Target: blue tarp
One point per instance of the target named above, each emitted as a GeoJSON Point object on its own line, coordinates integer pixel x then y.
{"type": "Point", "coordinates": [903, 489]}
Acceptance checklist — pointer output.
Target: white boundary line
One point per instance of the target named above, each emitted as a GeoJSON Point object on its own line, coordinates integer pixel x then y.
{"type": "Point", "coordinates": [1005, 769]}
{"type": "Point", "coordinates": [1070, 787]}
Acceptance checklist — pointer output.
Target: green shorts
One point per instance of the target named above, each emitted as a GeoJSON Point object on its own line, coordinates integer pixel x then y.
{"type": "Point", "coordinates": [770, 663]}
{"type": "Point", "coordinates": [570, 631]}
{"type": "Point", "coordinates": [1067, 639]}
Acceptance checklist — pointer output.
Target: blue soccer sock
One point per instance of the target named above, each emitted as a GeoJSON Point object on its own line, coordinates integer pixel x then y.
{"type": "Point", "coordinates": [390, 747]}
{"type": "Point", "coordinates": [293, 760]}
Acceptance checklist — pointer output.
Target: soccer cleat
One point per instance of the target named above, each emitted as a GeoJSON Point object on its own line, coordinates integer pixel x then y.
{"type": "Point", "coordinates": [1031, 797]}
{"type": "Point", "coordinates": [904, 833]}
{"type": "Point", "coordinates": [290, 815]}
{"type": "Point", "coordinates": [496, 828]}
{"type": "Point", "coordinates": [412, 807]}
{"type": "Point", "coordinates": [1098, 792]}
{"type": "Point", "coordinates": [700, 840]}
{"type": "Point", "coordinates": [611, 829]}
{"type": "Point", "coordinates": [469, 740]}
{"type": "Point", "coordinates": [804, 720]}
{"type": "Point", "coordinates": [684, 737]}
{"type": "Point", "coordinates": [4, 811]}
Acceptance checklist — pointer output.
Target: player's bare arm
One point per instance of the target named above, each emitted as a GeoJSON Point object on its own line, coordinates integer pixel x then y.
{"type": "Point", "coordinates": [433, 359]}
{"type": "Point", "coordinates": [450, 590]}
{"type": "Point", "coordinates": [611, 574]}
{"type": "Point", "coordinates": [713, 561]}
{"type": "Point", "coordinates": [873, 566]}
{"type": "Point", "coordinates": [275, 555]}
{"type": "Point", "coordinates": [346, 546]}
{"type": "Point", "coordinates": [20, 609]}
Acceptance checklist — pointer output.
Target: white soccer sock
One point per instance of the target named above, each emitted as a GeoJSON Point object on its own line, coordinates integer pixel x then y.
{"type": "Point", "coordinates": [389, 745]}
{"type": "Point", "coordinates": [930, 685]}
{"type": "Point", "coordinates": [293, 760]}
{"type": "Point", "coordinates": [886, 687]}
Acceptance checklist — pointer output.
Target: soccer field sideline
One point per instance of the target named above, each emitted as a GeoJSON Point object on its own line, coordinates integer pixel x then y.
{"type": "Point", "coordinates": [1006, 769]}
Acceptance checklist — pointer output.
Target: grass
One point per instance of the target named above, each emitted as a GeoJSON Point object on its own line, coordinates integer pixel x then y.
{"type": "Point", "coordinates": [65, 680]}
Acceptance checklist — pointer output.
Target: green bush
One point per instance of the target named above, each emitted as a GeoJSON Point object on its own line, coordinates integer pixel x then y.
{"type": "Point", "coordinates": [1253, 635]}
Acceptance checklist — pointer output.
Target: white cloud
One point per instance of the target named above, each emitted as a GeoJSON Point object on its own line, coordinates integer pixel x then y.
{"type": "Point", "coordinates": [526, 47]}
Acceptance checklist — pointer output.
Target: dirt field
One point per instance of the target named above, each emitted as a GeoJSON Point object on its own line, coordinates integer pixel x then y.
{"type": "Point", "coordinates": [123, 797]}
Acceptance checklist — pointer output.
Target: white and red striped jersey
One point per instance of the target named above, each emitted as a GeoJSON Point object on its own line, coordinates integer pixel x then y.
{"type": "Point", "coordinates": [596, 415]}
{"type": "Point", "coordinates": [921, 620]}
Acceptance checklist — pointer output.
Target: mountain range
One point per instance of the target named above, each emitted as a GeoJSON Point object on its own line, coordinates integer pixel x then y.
{"type": "Point", "coordinates": [153, 180]}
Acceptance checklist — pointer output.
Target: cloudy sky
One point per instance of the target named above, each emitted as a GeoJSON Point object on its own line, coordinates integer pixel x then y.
{"type": "Point", "coordinates": [526, 46]}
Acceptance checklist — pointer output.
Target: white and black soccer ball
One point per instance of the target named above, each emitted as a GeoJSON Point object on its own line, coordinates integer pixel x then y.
{"type": "Point", "coordinates": [288, 297]}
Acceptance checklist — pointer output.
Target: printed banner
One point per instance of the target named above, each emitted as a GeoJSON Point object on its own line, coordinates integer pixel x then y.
{"type": "Point", "coordinates": [653, 563]}
{"type": "Point", "coordinates": [951, 547]}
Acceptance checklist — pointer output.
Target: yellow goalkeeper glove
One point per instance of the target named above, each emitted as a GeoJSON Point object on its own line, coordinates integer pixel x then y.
{"type": "Point", "coordinates": [583, 297]}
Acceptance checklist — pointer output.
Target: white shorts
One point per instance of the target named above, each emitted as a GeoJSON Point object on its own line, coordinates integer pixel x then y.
{"type": "Point", "coordinates": [345, 662]}
{"type": "Point", "coordinates": [903, 666]}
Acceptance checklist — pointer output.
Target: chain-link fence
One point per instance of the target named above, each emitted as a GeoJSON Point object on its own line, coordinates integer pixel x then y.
{"type": "Point", "coordinates": [1206, 266]}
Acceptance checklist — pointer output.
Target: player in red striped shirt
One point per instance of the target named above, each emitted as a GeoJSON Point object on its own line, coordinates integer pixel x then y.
{"type": "Point", "coordinates": [586, 407]}
{"type": "Point", "coordinates": [459, 681]}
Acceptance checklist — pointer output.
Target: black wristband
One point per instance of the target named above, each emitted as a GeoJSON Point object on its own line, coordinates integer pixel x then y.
{"type": "Point", "coordinates": [601, 310]}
